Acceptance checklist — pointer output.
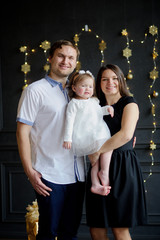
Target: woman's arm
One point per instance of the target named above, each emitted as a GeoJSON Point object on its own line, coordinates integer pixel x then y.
{"type": "Point", "coordinates": [128, 124]}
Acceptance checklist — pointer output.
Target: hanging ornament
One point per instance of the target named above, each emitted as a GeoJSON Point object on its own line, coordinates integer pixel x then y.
{"type": "Point", "coordinates": [129, 75]}
{"type": "Point", "coordinates": [46, 67]}
{"type": "Point", "coordinates": [154, 74]}
{"type": "Point", "coordinates": [155, 55]}
{"type": "Point", "coordinates": [155, 94]}
{"type": "Point", "coordinates": [76, 39]}
{"type": "Point", "coordinates": [25, 68]}
{"type": "Point", "coordinates": [124, 32]}
{"type": "Point", "coordinates": [153, 30]}
{"type": "Point", "coordinates": [102, 45]}
{"type": "Point", "coordinates": [45, 45]}
{"type": "Point", "coordinates": [23, 49]}
{"type": "Point", "coordinates": [127, 52]}
{"type": "Point", "coordinates": [152, 145]}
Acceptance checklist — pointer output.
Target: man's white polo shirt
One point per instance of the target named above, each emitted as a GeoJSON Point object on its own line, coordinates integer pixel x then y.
{"type": "Point", "coordinates": [43, 106]}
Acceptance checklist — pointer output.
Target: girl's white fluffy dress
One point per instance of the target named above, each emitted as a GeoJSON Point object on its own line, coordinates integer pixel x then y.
{"type": "Point", "coordinates": [85, 126]}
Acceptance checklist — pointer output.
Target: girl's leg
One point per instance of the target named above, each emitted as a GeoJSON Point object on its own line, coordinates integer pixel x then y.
{"type": "Point", "coordinates": [99, 234]}
{"type": "Point", "coordinates": [96, 187]}
{"type": "Point", "coordinates": [103, 174]}
{"type": "Point", "coordinates": [121, 234]}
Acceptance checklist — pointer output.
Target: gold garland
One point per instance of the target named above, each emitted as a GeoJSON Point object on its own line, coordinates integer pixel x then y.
{"type": "Point", "coordinates": [153, 30]}
{"type": "Point", "coordinates": [25, 67]}
{"type": "Point", "coordinates": [127, 52]}
{"type": "Point", "coordinates": [102, 44]}
{"type": "Point", "coordinates": [45, 45]}
{"type": "Point", "coordinates": [153, 75]}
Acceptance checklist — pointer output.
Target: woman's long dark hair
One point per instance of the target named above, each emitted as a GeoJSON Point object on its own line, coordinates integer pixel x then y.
{"type": "Point", "coordinates": [122, 82]}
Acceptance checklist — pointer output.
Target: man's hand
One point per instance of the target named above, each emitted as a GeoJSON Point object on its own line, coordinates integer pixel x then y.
{"type": "Point", "coordinates": [38, 185]}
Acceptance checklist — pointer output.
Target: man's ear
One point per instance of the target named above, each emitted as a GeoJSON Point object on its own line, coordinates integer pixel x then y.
{"type": "Point", "coordinates": [49, 58]}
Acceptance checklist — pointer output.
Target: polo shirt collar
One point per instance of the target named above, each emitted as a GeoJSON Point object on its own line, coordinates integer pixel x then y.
{"type": "Point", "coordinates": [54, 82]}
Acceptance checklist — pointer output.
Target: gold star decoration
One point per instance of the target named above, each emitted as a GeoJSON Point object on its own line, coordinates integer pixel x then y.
{"type": "Point", "coordinates": [45, 45]}
{"type": "Point", "coordinates": [25, 68]}
{"type": "Point", "coordinates": [102, 45]}
{"type": "Point", "coordinates": [23, 49]}
{"type": "Point", "coordinates": [153, 30]}
{"type": "Point", "coordinates": [154, 74]}
{"type": "Point", "coordinates": [152, 146]}
{"type": "Point", "coordinates": [46, 67]}
{"type": "Point", "coordinates": [154, 54]}
{"type": "Point", "coordinates": [124, 32]}
{"type": "Point", "coordinates": [127, 52]}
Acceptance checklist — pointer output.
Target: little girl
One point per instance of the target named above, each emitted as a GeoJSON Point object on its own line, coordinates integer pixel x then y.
{"type": "Point", "coordinates": [85, 129]}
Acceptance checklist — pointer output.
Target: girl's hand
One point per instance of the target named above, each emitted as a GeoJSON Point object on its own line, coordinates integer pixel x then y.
{"type": "Point", "coordinates": [67, 145]}
{"type": "Point", "coordinates": [111, 111]}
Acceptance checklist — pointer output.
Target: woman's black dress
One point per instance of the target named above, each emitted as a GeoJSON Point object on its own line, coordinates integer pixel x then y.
{"type": "Point", "coordinates": [125, 206]}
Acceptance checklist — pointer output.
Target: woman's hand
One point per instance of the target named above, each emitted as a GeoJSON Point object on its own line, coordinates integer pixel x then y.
{"type": "Point", "coordinates": [94, 158]}
{"type": "Point", "coordinates": [134, 142]}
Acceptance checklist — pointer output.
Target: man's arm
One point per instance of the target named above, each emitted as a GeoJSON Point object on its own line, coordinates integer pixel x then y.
{"type": "Point", "coordinates": [23, 140]}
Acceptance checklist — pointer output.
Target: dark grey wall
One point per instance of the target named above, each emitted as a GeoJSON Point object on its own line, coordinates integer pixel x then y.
{"type": "Point", "coordinates": [29, 23]}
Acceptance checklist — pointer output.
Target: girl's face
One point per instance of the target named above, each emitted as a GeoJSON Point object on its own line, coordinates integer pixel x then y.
{"type": "Point", "coordinates": [84, 88]}
{"type": "Point", "coordinates": [109, 83]}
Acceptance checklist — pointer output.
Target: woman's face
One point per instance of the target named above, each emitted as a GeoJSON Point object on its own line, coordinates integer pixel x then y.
{"type": "Point", "coordinates": [109, 83]}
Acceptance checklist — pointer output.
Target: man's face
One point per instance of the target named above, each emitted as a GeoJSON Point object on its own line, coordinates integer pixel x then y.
{"type": "Point", "coordinates": [63, 62]}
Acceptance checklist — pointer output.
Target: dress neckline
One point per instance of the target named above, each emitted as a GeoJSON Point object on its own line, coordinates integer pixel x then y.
{"type": "Point", "coordinates": [118, 101]}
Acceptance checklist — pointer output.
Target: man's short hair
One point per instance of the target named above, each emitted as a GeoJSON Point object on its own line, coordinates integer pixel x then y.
{"type": "Point", "coordinates": [59, 44]}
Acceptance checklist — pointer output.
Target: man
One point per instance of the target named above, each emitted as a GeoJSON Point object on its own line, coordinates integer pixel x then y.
{"type": "Point", "coordinates": [54, 172]}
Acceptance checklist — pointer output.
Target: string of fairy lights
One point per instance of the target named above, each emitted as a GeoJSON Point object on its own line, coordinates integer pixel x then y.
{"type": "Point", "coordinates": [153, 30]}
{"type": "Point", "coordinates": [153, 75]}
{"type": "Point", "coordinates": [127, 53]}
{"type": "Point", "coordinates": [26, 67]}
{"type": "Point", "coordinates": [102, 44]}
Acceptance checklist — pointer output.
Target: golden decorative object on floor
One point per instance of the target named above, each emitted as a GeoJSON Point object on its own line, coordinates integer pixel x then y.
{"type": "Point", "coordinates": [32, 217]}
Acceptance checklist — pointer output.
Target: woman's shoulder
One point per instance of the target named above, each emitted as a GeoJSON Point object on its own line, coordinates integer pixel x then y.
{"type": "Point", "coordinates": [128, 99]}
{"type": "Point", "coordinates": [124, 100]}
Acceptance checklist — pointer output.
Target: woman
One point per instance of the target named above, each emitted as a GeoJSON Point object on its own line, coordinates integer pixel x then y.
{"type": "Point", "coordinates": [125, 206]}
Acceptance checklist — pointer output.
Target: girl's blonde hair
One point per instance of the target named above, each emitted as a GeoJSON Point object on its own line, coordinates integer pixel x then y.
{"type": "Point", "coordinates": [78, 77]}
